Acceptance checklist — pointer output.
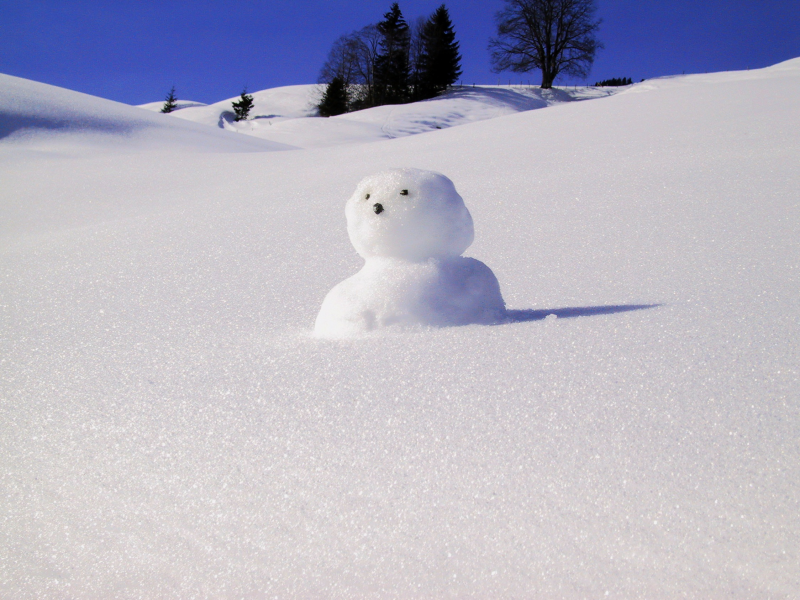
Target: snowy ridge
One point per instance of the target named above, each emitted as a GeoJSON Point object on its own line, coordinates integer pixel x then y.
{"type": "Point", "coordinates": [170, 427]}
{"type": "Point", "coordinates": [289, 115]}
{"type": "Point", "coordinates": [47, 117]}
{"type": "Point", "coordinates": [179, 105]}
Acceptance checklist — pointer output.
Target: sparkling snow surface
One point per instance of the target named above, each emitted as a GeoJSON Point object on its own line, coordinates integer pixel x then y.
{"type": "Point", "coordinates": [169, 427]}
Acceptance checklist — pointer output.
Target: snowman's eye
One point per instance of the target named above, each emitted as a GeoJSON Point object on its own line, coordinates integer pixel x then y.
{"type": "Point", "coordinates": [404, 192]}
{"type": "Point", "coordinates": [366, 197]}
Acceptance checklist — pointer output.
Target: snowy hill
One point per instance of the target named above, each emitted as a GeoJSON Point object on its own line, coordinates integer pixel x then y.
{"type": "Point", "coordinates": [289, 102]}
{"type": "Point", "coordinates": [169, 427]}
{"type": "Point", "coordinates": [179, 105]}
{"type": "Point", "coordinates": [289, 114]}
{"type": "Point", "coordinates": [49, 118]}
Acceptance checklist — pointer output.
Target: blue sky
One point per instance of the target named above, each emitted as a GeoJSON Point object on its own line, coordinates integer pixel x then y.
{"type": "Point", "coordinates": [133, 51]}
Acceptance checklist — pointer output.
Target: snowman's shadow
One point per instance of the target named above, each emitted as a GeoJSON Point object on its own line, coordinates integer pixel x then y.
{"type": "Point", "coordinates": [521, 316]}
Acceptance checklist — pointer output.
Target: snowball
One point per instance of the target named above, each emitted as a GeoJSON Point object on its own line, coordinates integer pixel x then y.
{"type": "Point", "coordinates": [395, 292]}
{"type": "Point", "coordinates": [410, 214]}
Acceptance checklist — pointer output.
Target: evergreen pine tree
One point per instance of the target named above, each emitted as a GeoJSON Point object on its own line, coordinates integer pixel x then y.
{"type": "Point", "coordinates": [391, 65]}
{"type": "Point", "coordinates": [334, 100]}
{"type": "Point", "coordinates": [243, 107]}
{"type": "Point", "coordinates": [170, 103]}
{"type": "Point", "coordinates": [615, 81]}
{"type": "Point", "coordinates": [441, 59]}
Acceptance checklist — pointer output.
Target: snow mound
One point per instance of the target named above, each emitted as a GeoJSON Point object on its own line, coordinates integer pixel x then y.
{"type": "Point", "coordinates": [398, 294]}
{"type": "Point", "coordinates": [179, 105]}
{"type": "Point", "coordinates": [42, 116]}
{"type": "Point", "coordinates": [289, 115]}
{"type": "Point", "coordinates": [793, 64]}
{"type": "Point", "coordinates": [274, 105]}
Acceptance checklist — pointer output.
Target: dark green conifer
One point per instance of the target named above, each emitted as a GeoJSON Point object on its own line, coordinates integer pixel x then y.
{"type": "Point", "coordinates": [615, 82]}
{"type": "Point", "coordinates": [334, 100]}
{"type": "Point", "coordinates": [441, 59]}
{"type": "Point", "coordinates": [171, 102]}
{"type": "Point", "coordinates": [391, 65]}
{"type": "Point", "coordinates": [243, 106]}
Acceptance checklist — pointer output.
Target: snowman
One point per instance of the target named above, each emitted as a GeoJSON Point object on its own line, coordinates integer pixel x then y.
{"type": "Point", "coordinates": [410, 226]}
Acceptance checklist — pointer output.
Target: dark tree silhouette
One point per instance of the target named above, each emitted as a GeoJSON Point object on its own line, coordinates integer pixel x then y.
{"type": "Point", "coordinates": [614, 82]}
{"type": "Point", "coordinates": [368, 48]}
{"type": "Point", "coordinates": [171, 102]}
{"type": "Point", "coordinates": [415, 53]}
{"type": "Point", "coordinates": [242, 107]}
{"type": "Point", "coordinates": [441, 60]}
{"type": "Point", "coordinates": [391, 66]}
{"type": "Point", "coordinates": [391, 63]}
{"type": "Point", "coordinates": [342, 60]}
{"type": "Point", "coordinates": [334, 100]}
{"type": "Point", "coordinates": [352, 59]}
{"type": "Point", "coordinates": [555, 36]}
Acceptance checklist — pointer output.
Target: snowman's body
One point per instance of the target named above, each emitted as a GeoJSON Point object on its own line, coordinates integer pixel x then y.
{"type": "Point", "coordinates": [411, 227]}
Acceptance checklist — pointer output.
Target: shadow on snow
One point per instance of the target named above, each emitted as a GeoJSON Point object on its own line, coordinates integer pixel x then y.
{"type": "Point", "coordinates": [521, 316]}
{"type": "Point", "coordinates": [11, 123]}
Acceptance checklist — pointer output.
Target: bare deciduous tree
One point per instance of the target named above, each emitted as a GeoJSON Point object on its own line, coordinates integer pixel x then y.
{"type": "Point", "coordinates": [368, 49]}
{"type": "Point", "coordinates": [352, 59]}
{"type": "Point", "coordinates": [416, 51]}
{"type": "Point", "coordinates": [340, 62]}
{"type": "Point", "coordinates": [555, 36]}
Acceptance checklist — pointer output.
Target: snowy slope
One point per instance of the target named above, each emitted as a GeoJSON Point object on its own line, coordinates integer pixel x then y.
{"type": "Point", "coordinates": [46, 117]}
{"type": "Point", "coordinates": [169, 427]}
{"type": "Point", "coordinates": [179, 105]}
{"type": "Point", "coordinates": [289, 115]}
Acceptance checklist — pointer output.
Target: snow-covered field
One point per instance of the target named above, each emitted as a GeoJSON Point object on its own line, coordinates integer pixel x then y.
{"type": "Point", "coordinates": [289, 115]}
{"type": "Point", "coordinates": [170, 427]}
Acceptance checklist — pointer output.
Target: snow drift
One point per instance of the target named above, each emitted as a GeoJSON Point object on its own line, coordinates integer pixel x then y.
{"type": "Point", "coordinates": [44, 116]}
{"type": "Point", "coordinates": [289, 114]}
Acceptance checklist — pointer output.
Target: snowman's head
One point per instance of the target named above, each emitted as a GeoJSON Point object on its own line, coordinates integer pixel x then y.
{"type": "Point", "coordinates": [410, 214]}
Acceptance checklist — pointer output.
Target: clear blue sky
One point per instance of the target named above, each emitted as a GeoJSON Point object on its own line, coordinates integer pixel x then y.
{"type": "Point", "coordinates": [133, 51]}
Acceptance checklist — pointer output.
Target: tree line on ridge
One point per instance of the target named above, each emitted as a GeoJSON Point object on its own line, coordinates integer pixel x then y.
{"type": "Point", "coordinates": [391, 63]}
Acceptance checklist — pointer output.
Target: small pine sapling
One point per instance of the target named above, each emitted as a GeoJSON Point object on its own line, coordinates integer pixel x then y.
{"type": "Point", "coordinates": [171, 102]}
{"type": "Point", "coordinates": [242, 107]}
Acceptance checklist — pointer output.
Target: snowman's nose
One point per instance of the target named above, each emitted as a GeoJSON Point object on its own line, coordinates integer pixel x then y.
{"type": "Point", "coordinates": [378, 208]}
